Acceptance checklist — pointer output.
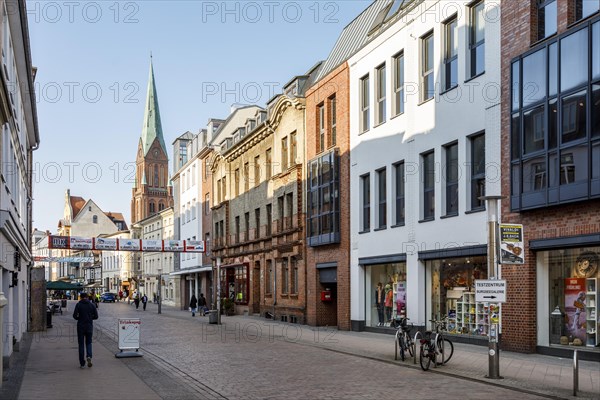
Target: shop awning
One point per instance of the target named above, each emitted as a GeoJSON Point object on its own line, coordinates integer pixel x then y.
{"type": "Point", "coordinates": [204, 268]}
{"type": "Point", "coordinates": [61, 285]}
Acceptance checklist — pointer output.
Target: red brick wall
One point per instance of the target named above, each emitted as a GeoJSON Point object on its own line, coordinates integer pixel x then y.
{"type": "Point", "coordinates": [318, 312]}
{"type": "Point", "coordinates": [519, 316]}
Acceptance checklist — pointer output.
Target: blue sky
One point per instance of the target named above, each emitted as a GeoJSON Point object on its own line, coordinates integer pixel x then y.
{"type": "Point", "coordinates": [93, 60]}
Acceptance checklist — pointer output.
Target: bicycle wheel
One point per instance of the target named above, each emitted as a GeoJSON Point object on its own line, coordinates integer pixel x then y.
{"type": "Point", "coordinates": [424, 357]}
{"type": "Point", "coordinates": [448, 350]}
{"type": "Point", "coordinates": [410, 345]}
{"type": "Point", "coordinates": [402, 345]}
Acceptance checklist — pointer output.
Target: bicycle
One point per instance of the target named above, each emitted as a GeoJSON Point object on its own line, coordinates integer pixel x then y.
{"type": "Point", "coordinates": [434, 345]}
{"type": "Point", "coordinates": [403, 339]}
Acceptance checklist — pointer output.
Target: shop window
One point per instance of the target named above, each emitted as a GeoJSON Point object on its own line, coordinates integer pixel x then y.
{"type": "Point", "coordinates": [386, 294]}
{"type": "Point", "coordinates": [234, 281]}
{"type": "Point", "coordinates": [547, 18]}
{"type": "Point", "coordinates": [573, 278]}
{"type": "Point", "coordinates": [453, 295]}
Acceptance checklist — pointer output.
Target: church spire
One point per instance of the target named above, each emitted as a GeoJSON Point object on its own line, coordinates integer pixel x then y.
{"type": "Point", "coordinates": [152, 128]}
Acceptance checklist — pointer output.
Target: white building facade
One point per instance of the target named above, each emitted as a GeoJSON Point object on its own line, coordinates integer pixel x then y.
{"type": "Point", "coordinates": [425, 145]}
{"type": "Point", "coordinates": [117, 266]}
{"type": "Point", "coordinates": [19, 138]}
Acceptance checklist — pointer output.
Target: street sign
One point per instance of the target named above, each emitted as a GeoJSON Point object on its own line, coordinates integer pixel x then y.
{"type": "Point", "coordinates": [129, 333]}
{"type": "Point", "coordinates": [490, 291]}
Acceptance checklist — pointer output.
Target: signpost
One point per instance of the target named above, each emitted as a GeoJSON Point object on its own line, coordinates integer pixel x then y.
{"type": "Point", "coordinates": [129, 337]}
{"type": "Point", "coordinates": [490, 291]}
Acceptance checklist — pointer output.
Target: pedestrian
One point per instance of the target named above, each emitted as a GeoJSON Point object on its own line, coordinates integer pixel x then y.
{"type": "Point", "coordinates": [193, 305]}
{"type": "Point", "coordinates": [136, 299]}
{"type": "Point", "coordinates": [202, 304]}
{"type": "Point", "coordinates": [154, 298]}
{"type": "Point", "coordinates": [144, 301]}
{"type": "Point", "coordinates": [85, 313]}
{"type": "Point", "coordinates": [120, 295]}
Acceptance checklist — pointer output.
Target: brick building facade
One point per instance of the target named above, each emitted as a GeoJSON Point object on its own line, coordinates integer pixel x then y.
{"type": "Point", "coordinates": [551, 173]}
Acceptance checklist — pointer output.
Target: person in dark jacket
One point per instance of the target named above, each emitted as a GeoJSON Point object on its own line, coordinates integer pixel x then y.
{"type": "Point", "coordinates": [202, 304]}
{"type": "Point", "coordinates": [85, 313]}
{"type": "Point", "coordinates": [193, 305]}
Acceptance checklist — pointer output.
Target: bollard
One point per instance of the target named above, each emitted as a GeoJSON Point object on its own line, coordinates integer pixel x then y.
{"type": "Point", "coordinates": [575, 373]}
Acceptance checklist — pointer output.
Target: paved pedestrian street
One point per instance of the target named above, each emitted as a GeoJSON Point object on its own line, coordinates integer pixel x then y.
{"type": "Point", "coordinates": [254, 358]}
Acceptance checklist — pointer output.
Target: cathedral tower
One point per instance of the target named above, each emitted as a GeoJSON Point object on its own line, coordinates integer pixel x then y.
{"type": "Point", "coordinates": [152, 191]}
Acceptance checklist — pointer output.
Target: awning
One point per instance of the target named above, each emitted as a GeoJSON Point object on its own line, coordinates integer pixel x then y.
{"type": "Point", "coordinates": [205, 268]}
{"type": "Point", "coordinates": [60, 285]}
{"type": "Point", "coordinates": [94, 285]}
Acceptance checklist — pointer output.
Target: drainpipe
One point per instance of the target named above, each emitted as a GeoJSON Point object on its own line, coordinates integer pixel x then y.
{"type": "Point", "coordinates": [274, 288]}
{"type": "Point", "coordinates": [3, 302]}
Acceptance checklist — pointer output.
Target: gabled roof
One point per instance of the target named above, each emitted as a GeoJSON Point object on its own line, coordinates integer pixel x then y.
{"type": "Point", "coordinates": [77, 204]}
{"type": "Point", "coordinates": [152, 128]}
{"type": "Point", "coordinates": [353, 37]}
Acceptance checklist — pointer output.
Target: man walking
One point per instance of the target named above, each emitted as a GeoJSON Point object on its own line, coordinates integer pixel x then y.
{"type": "Point", "coordinates": [85, 313]}
{"type": "Point", "coordinates": [144, 301]}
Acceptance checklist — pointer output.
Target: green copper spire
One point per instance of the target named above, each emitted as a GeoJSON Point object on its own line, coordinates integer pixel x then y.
{"type": "Point", "coordinates": [152, 128]}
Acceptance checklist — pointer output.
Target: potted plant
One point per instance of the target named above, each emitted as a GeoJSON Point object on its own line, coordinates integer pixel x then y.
{"type": "Point", "coordinates": [227, 306]}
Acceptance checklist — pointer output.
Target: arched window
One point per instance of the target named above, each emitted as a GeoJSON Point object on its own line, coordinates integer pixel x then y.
{"type": "Point", "coordinates": [155, 175]}
{"type": "Point", "coordinates": [95, 219]}
{"type": "Point", "coordinates": [161, 206]}
{"type": "Point", "coordinates": [152, 208]}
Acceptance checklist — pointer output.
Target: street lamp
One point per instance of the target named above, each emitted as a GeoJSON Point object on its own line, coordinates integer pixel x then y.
{"type": "Point", "coordinates": [159, 290]}
{"type": "Point", "coordinates": [492, 223]}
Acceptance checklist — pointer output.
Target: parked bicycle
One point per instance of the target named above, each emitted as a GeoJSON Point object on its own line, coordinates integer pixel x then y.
{"type": "Point", "coordinates": [434, 345]}
{"type": "Point", "coordinates": [403, 339]}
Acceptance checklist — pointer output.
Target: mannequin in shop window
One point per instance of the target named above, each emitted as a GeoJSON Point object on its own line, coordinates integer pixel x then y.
{"type": "Point", "coordinates": [389, 302]}
{"type": "Point", "coordinates": [379, 302]}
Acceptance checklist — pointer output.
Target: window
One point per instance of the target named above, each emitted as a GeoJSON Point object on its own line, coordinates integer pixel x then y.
{"type": "Point", "coordinates": [284, 154]}
{"type": "Point", "coordinates": [182, 153]}
{"type": "Point", "coordinates": [268, 163]}
{"type": "Point", "coordinates": [256, 170]}
{"type": "Point", "coordinates": [152, 207]}
{"type": "Point", "coordinates": [269, 219]}
{"type": "Point", "coordinates": [477, 39]}
{"type": "Point", "coordinates": [207, 204]}
{"type": "Point", "coordinates": [451, 54]}
{"type": "Point", "coordinates": [193, 208]}
{"type": "Point", "coordinates": [237, 229]}
{"type": "Point", "coordinates": [380, 94]}
{"type": "Point", "coordinates": [95, 219]}
{"type": "Point", "coordinates": [332, 121]}
{"type": "Point", "coordinates": [268, 277]}
{"type": "Point", "coordinates": [547, 18]}
{"type": "Point", "coordinates": [246, 177]}
{"type": "Point", "coordinates": [156, 176]}
{"type": "Point", "coordinates": [257, 222]}
{"type": "Point", "coordinates": [451, 175]}
{"type": "Point", "coordinates": [428, 168]}
{"type": "Point", "coordinates": [574, 124]}
{"type": "Point", "coordinates": [280, 210]}
{"type": "Point", "coordinates": [321, 114]}
{"type": "Point", "coordinates": [399, 84]}
{"type": "Point", "coordinates": [399, 205]}
{"type": "Point", "coordinates": [381, 199]}
{"type": "Point", "coordinates": [477, 171]}
{"type": "Point", "coordinates": [293, 148]}
{"type": "Point", "coordinates": [322, 200]}
{"type": "Point", "coordinates": [193, 174]}
{"type": "Point", "coordinates": [585, 8]}
{"type": "Point", "coordinates": [364, 104]}
{"type": "Point", "coordinates": [294, 276]}
{"type": "Point", "coordinates": [427, 81]}
{"type": "Point", "coordinates": [284, 276]}
{"type": "Point", "coordinates": [236, 184]}
{"type": "Point", "coordinates": [574, 60]}
{"type": "Point", "coordinates": [365, 185]}
{"type": "Point", "coordinates": [161, 206]}
{"type": "Point", "coordinates": [246, 226]}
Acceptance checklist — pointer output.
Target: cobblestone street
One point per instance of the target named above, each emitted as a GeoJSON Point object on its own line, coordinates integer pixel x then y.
{"type": "Point", "coordinates": [256, 358]}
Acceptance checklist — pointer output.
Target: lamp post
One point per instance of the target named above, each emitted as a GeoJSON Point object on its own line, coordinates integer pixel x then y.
{"type": "Point", "coordinates": [159, 290]}
{"type": "Point", "coordinates": [492, 229]}
{"type": "Point", "coordinates": [218, 290]}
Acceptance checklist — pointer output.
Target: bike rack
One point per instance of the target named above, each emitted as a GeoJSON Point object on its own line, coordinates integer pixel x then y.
{"type": "Point", "coordinates": [396, 346]}
{"type": "Point", "coordinates": [415, 346]}
{"type": "Point", "coordinates": [435, 346]}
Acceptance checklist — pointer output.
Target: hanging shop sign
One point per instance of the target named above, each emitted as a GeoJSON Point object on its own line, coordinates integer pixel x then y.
{"type": "Point", "coordinates": [105, 244]}
{"type": "Point", "coordinates": [78, 243]}
{"type": "Point", "coordinates": [512, 250]}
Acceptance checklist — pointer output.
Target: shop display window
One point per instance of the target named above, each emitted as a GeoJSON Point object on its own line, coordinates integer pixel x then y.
{"type": "Point", "coordinates": [453, 295]}
{"type": "Point", "coordinates": [234, 283]}
{"type": "Point", "coordinates": [573, 288]}
{"type": "Point", "coordinates": [386, 302]}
